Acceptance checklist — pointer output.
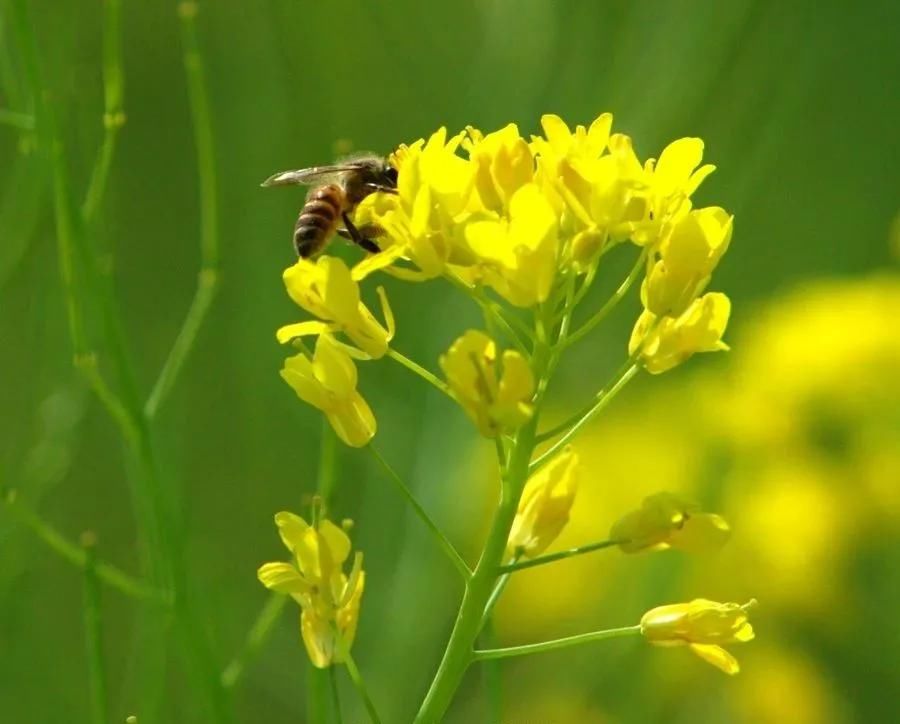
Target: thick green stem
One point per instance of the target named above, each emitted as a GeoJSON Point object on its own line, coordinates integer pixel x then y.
{"type": "Point", "coordinates": [93, 625]}
{"type": "Point", "coordinates": [460, 647]}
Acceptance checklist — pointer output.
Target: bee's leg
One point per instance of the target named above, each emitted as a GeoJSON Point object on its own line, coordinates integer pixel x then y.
{"type": "Point", "coordinates": [351, 232]}
{"type": "Point", "coordinates": [380, 187]}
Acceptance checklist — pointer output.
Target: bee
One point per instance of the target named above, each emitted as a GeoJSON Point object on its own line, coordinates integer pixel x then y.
{"type": "Point", "coordinates": [336, 191]}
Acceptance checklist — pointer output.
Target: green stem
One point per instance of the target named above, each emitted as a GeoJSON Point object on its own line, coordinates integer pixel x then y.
{"type": "Point", "coordinates": [22, 121]}
{"type": "Point", "coordinates": [455, 558]}
{"type": "Point", "coordinates": [610, 304]}
{"type": "Point", "coordinates": [109, 574]}
{"type": "Point", "coordinates": [603, 399]}
{"type": "Point", "coordinates": [429, 377]}
{"type": "Point", "coordinates": [561, 555]}
{"type": "Point", "coordinates": [493, 310]}
{"type": "Point", "coordinates": [316, 694]}
{"type": "Point", "coordinates": [256, 638]}
{"type": "Point", "coordinates": [93, 625]}
{"type": "Point", "coordinates": [358, 682]}
{"type": "Point", "coordinates": [460, 647]}
{"type": "Point", "coordinates": [113, 115]}
{"type": "Point", "coordinates": [492, 674]}
{"type": "Point", "coordinates": [335, 695]}
{"type": "Point", "coordinates": [208, 277]}
{"type": "Point", "coordinates": [487, 654]}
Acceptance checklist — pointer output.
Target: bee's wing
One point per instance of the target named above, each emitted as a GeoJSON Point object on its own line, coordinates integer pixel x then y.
{"type": "Point", "coordinates": [313, 175]}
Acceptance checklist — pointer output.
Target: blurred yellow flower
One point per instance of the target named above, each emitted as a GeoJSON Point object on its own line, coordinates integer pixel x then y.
{"type": "Point", "coordinates": [329, 599]}
{"type": "Point", "coordinates": [685, 259]}
{"type": "Point", "coordinates": [503, 164]}
{"type": "Point", "coordinates": [326, 289]}
{"type": "Point", "coordinates": [328, 382]}
{"type": "Point", "coordinates": [496, 400]}
{"type": "Point", "coordinates": [666, 521]}
{"type": "Point", "coordinates": [545, 504]}
{"type": "Point", "coordinates": [702, 625]}
{"type": "Point", "coordinates": [665, 342]}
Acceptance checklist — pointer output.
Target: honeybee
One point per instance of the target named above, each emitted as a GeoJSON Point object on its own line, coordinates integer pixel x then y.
{"type": "Point", "coordinates": [337, 189]}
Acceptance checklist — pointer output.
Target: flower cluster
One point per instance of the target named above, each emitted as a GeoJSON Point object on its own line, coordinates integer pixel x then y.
{"type": "Point", "coordinates": [329, 599]}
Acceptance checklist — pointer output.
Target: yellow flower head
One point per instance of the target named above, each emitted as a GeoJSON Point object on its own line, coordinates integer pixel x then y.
{"type": "Point", "coordinates": [544, 508]}
{"type": "Point", "coordinates": [503, 164]}
{"type": "Point", "coordinates": [496, 400]}
{"type": "Point", "coordinates": [666, 521]}
{"type": "Point", "coordinates": [326, 289]}
{"type": "Point", "coordinates": [702, 625]}
{"type": "Point", "coordinates": [329, 599]}
{"type": "Point", "coordinates": [328, 382]}
{"type": "Point", "coordinates": [665, 342]}
{"type": "Point", "coordinates": [686, 257]}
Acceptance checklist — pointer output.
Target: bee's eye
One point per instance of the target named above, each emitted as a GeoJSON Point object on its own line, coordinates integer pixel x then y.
{"type": "Point", "coordinates": [390, 173]}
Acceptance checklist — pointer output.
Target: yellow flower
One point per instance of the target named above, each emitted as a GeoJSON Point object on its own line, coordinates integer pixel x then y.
{"type": "Point", "coordinates": [326, 289]}
{"type": "Point", "coordinates": [329, 599]}
{"type": "Point", "coordinates": [686, 257]}
{"type": "Point", "coordinates": [666, 521]}
{"type": "Point", "coordinates": [518, 254]}
{"type": "Point", "coordinates": [434, 187]}
{"type": "Point", "coordinates": [503, 164]}
{"type": "Point", "coordinates": [328, 382]}
{"type": "Point", "coordinates": [495, 399]}
{"type": "Point", "coordinates": [702, 625]}
{"type": "Point", "coordinates": [665, 342]}
{"type": "Point", "coordinates": [544, 508]}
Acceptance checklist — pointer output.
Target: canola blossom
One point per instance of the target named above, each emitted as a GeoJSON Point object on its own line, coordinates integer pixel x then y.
{"type": "Point", "coordinates": [703, 626]}
{"type": "Point", "coordinates": [521, 226]}
{"type": "Point", "coordinates": [329, 599]}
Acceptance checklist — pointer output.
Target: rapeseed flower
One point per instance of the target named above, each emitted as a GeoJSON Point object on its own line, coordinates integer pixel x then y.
{"type": "Point", "coordinates": [545, 504]}
{"type": "Point", "coordinates": [666, 521]}
{"type": "Point", "coordinates": [497, 397]}
{"type": "Point", "coordinates": [328, 382]}
{"type": "Point", "coordinates": [329, 599]}
{"type": "Point", "coordinates": [701, 625]}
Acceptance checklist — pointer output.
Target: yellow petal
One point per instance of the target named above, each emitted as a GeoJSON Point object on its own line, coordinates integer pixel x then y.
{"type": "Point", "coordinates": [717, 656]}
{"type": "Point", "coordinates": [318, 638]}
{"type": "Point", "coordinates": [292, 529]}
{"type": "Point", "coordinates": [282, 578]}
{"type": "Point", "coordinates": [302, 329]}
{"type": "Point", "coordinates": [337, 541]}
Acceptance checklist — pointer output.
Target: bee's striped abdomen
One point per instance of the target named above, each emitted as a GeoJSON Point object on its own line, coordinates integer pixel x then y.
{"type": "Point", "coordinates": [318, 219]}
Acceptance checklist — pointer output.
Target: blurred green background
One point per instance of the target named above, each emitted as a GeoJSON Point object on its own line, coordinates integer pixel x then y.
{"type": "Point", "coordinates": [794, 436]}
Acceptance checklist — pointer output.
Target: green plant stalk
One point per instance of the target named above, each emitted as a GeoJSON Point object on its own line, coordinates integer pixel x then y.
{"type": "Point", "coordinates": [208, 277]}
{"type": "Point", "coordinates": [358, 681]}
{"type": "Point", "coordinates": [577, 640]}
{"type": "Point", "coordinates": [335, 695]}
{"type": "Point", "coordinates": [443, 542]}
{"type": "Point", "coordinates": [21, 121]}
{"type": "Point", "coordinates": [113, 114]}
{"type": "Point", "coordinates": [93, 625]}
{"type": "Point", "coordinates": [559, 556]}
{"type": "Point", "coordinates": [107, 573]}
{"type": "Point", "coordinates": [256, 638]}
{"type": "Point", "coordinates": [416, 368]}
{"type": "Point", "coordinates": [460, 647]}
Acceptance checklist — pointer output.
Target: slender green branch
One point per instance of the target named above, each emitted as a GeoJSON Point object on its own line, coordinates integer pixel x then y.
{"type": "Point", "coordinates": [491, 674]}
{"type": "Point", "coordinates": [429, 377]}
{"type": "Point", "coordinates": [207, 284]}
{"type": "Point", "coordinates": [93, 625]}
{"type": "Point", "coordinates": [208, 277]}
{"type": "Point", "coordinates": [492, 309]}
{"type": "Point", "coordinates": [22, 121]}
{"type": "Point", "coordinates": [561, 555]}
{"type": "Point", "coordinates": [455, 558]}
{"type": "Point", "coordinates": [113, 115]}
{"type": "Point", "coordinates": [611, 303]}
{"type": "Point", "coordinates": [256, 638]}
{"type": "Point", "coordinates": [497, 591]}
{"type": "Point", "coordinates": [357, 680]}
{"type": "Point", "coordinates": [109, 574]}
{"type": "Point", "coordinates": [335, 695]}
{"type": "Point", "coordinates": [487, 654]}
{"type": "Point", "coordinates": [603, 399]}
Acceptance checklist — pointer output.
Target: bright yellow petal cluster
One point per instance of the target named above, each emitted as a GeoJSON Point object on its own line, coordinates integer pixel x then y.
{"type": "Point", "coordinates": [510, 214]}
{"type": "Point", "coordinates": [545, 504]}
{"type": "Point", "coordinates": [496, 394]}
{"type": "Point", "coordinates": [329, 598]}
{"type": "Point", "coordinates": [703, 626]}
{"type": "Point", "coordinates": [327, 289]}
{"type": "Point", "coordinates": [666, 521]}
{"type": "Point", "coordinates": [328, 382]}
{"type": "Point", "coordinates": [665, 342]}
